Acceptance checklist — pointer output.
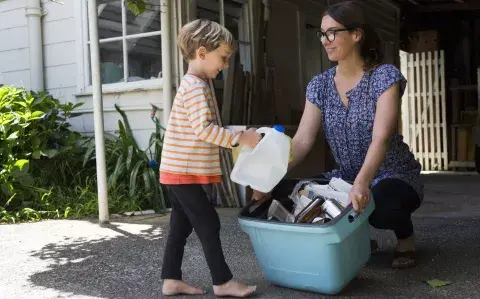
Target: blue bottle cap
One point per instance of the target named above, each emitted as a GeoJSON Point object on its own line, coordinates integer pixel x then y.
{"type": "Point", "coordinates": [279, 128]}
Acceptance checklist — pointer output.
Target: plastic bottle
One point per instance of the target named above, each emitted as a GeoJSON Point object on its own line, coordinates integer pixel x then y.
{"type": "Point", "coordinates": [263, 167]}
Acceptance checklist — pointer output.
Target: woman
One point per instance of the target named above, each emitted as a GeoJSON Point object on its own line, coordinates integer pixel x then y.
{"type": "Point", "coordinates": [358, 104]}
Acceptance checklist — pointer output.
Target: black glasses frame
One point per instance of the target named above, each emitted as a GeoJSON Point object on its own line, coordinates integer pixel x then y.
{"type": "Point", "coordinates": [330, 32]}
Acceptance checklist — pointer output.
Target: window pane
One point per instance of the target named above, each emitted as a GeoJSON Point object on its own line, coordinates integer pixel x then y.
{"type": "Point", "coordinates": [111, 62]}
{"type": "Point", "coordinates": [144, 58]}
{"type": "Point", "coordinates": [210, 10]}
{"type": "Point", "coordinates": [148, 21]}
{"type": "Point", "coordinates": [109, 19]}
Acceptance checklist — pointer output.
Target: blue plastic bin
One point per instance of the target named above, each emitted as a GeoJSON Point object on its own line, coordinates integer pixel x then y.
{"type": "Point", "coordinates": [319, 258]}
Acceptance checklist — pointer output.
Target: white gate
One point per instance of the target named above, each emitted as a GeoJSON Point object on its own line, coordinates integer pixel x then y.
{"type": "Point", "coordinates": [424, 121]}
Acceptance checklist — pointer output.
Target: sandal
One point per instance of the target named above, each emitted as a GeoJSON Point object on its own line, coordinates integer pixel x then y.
{"type": "Point", "coordinates": [404, 260]}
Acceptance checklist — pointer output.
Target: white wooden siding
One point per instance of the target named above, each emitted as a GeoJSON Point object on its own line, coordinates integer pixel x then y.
{"type": "Point", "coordinates": [13, 18]}
{"type": "Point", "coordinates": [19, 56]}
{"type": "Point", "coordinates": [8, 5]}
{"type": "Point", "coordinates": [16, 78]}
{"type": "Point", "coordinates": [64, 42]}
{"type": "Point", "coordinates": [59, 48]}
{"type": "Point", "coordinates": [59, 54]}
{"type": "Point", "coordinates": [14, 52]}
{"type": "Point", "coordinates": [135, 104]}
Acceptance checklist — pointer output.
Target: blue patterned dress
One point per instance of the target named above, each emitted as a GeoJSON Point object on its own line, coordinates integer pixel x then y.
{"type": "Point", "coordinates": [349, 130]}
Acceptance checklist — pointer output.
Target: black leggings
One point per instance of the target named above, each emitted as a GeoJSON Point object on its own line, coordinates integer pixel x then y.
{"type": "Point", "coordinates": [191, 209]}
{"type": "Point", "coordinates": [395, 201]}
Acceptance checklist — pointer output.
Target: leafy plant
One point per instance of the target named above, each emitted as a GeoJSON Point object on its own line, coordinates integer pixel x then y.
{"type": "Point", "coordinates": [32, 126]}
{"type": "Point", "coordinates": [48, 171]}
{"type": "Point", "coordinates": [130, 170]}
{"type": "Point", "coordinates": [137, 7]}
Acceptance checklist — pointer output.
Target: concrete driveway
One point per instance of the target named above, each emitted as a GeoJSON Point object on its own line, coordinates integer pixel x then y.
{"type": "Point", "coordinates": [80, 259]}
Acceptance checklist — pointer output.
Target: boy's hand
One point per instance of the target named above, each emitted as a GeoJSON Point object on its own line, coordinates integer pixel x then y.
{"type": "Point", "coordinates": [250, 138]}
{"type": "Point", "coordinates": [260, 196]}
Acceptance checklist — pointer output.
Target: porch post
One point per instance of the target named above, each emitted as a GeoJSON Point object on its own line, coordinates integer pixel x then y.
{"type": "Point", "coordinates": [98, 114]}
{"type": "Point", "coordinates": [165, 19]}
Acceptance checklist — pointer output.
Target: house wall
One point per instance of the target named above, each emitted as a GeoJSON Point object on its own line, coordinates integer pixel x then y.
{"type": "Point", "coordinates": [65, 67]}
{"type": "Point", "coordinates": [134, 103]}
{"type": "Point", "coordinates": [58, 47]}
{"type": "Point", "coordinates": [14, 50]}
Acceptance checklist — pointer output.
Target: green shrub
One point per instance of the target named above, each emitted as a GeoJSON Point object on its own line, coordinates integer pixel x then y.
{"type": "Point", "coordinates": [48, 171]}
{"type": "Point", "coordinates": [32, 126]}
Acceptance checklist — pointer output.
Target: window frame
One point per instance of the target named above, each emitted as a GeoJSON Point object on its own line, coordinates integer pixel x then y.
{"type": "Point", "coordinates": [84, 87]}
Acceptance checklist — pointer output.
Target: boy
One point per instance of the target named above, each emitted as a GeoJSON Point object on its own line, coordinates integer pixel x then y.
{"type": "Point", "coordinates": [190, 158]}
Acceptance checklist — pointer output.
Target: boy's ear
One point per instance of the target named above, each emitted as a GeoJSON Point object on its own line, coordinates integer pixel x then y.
{"type": "Point", "coordinates": [201, 52]}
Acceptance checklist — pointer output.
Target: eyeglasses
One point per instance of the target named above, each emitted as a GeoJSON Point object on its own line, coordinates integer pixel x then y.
{"type": "Point", "coordinates": [330, 34]}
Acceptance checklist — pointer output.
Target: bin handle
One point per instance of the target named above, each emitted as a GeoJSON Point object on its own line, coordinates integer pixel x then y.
{"type": "Point", "coordinates": [354, 215]}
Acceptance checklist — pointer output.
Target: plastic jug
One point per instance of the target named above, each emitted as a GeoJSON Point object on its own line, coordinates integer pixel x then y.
{"type": "Point", "coordinates": [263, 167]}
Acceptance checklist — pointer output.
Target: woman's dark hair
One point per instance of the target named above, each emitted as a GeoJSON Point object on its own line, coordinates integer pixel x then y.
{"type": "Point", "coordinates": [350, 14]}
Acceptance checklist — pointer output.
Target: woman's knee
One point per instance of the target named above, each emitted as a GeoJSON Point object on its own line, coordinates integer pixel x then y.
{"type": "Point", "coordinates": [394, 196]}
{"type": "Point", "coordinates": [390, 218]}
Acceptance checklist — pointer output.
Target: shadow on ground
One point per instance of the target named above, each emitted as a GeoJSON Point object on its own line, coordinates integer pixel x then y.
{"type": "Point", "coordinates": [127, 264]}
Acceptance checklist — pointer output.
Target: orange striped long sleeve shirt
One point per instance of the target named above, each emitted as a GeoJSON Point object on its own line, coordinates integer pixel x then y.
{"type": "Point", "coordinates": [190, 151]}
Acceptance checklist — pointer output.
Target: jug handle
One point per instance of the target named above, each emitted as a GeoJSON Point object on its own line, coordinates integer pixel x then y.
{"type": "Point", "coordinates": [264, 130]}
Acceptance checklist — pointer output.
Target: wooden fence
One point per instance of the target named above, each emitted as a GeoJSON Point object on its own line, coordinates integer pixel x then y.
{"type": "Point", "coordinates": [424, 121]}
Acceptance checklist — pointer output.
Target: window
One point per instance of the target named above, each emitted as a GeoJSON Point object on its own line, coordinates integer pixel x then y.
{"type": "Point", "coordinates": [236, 21]}
{"type": "Point", "coordinates": [130, 46]}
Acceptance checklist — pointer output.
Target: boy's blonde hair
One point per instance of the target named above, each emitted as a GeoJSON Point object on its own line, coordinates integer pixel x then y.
{"type": "Point", "coordinates": [203, 33]}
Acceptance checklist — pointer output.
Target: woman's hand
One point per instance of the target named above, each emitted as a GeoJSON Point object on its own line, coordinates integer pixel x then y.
{"type": "Point", "coordinates": [359, 196]}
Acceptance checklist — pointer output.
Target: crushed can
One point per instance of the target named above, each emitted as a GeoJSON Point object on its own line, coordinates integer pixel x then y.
{"type": "Point", "coordinates": [332, 208]}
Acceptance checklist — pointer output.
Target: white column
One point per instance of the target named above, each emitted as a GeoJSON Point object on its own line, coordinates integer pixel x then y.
{"type": "Point", "coordinates": [165, 19]}
{"type": "Point", "coordinates": [34, 19]}
{"type": "Point", "coordinates": [98, 113]}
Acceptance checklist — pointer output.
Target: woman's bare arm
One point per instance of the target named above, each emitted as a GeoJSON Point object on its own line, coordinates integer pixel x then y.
{"type": "Point", "coordinates": [385, 124]}
{"type": "Point", "coordinates": [306, 133]}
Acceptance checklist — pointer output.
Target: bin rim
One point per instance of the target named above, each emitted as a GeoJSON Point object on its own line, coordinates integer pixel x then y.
{"type": "Point", "coordinates": [348, 210]}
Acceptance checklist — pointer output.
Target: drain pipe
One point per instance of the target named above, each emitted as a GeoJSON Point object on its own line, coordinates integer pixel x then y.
{"type": "Point", "coordinates": [166, 20]}
{"type": "Point", "coordinates": [98, 114]}
{"type": "Point", "coordinates": [34, 13]}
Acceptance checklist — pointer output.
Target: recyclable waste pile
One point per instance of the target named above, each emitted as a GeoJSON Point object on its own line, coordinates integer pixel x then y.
{"type": "Point", "coordinates": [313, 203]}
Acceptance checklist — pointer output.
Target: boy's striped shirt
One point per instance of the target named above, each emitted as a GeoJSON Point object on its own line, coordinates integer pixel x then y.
{"type": "Point", "coordinates": [190, 151]}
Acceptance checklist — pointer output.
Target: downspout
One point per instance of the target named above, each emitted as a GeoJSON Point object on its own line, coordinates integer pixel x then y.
{"type": "Point", "coordinates": [166, 19]}
{"type": "Point", "coordinates": [34, 13]}
{"type": "Point", "coordinates": [103, 214]}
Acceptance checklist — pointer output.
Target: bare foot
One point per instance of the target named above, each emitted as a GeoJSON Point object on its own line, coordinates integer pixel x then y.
{"type": "Point", "coordinates": [173, 287]}
{"type": "Point", "coordinates": [233, 289]}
